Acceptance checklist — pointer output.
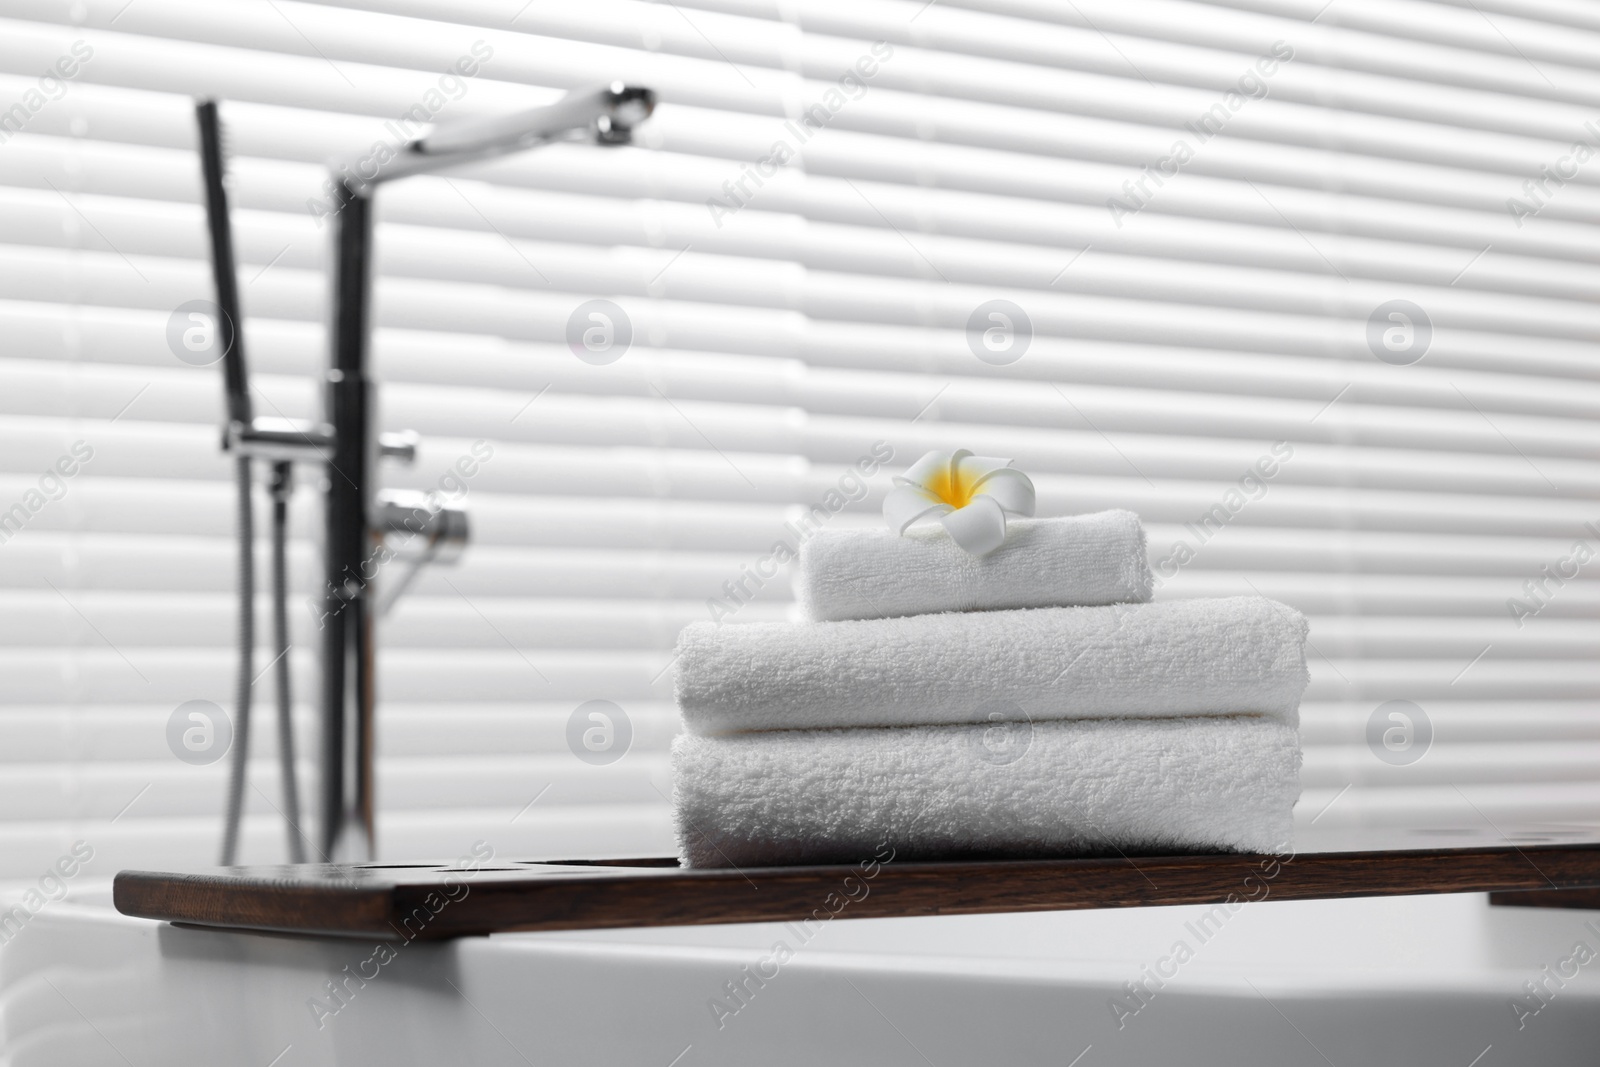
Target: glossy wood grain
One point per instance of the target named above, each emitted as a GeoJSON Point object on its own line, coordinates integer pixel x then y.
{"type": "Point", "coordinates": [438, 901]}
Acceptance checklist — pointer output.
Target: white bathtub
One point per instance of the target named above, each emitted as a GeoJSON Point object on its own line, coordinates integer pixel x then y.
{"type": "Point", "coordinates": [1405, 981]}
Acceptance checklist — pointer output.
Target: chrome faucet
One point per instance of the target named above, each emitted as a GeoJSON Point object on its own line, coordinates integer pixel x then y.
{"type": "Point", "coordinates": [357, 519]}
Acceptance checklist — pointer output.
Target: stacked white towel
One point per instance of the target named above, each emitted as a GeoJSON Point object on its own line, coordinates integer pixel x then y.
{"type": "Point", "coordinates": [1235, 655]}
{"type": "Point", "coordinates": [1057, 788]}
{"type": "Point", "coordinates": [1077, 719]}
{"type": "Point", "coordinates": [1044, 563]}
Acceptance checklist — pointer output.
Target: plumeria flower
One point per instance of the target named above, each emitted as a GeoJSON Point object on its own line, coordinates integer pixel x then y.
{"type": "Point", "coordinates": [969, 495]}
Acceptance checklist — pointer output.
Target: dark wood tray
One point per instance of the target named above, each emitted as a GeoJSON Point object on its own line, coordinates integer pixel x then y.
{"type": "Point", "coordinates": [1559, 867]}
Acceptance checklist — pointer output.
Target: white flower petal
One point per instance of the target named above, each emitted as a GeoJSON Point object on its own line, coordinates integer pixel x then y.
{"type": "Point", "coordinates": [922, 471]}
{"type": "Point", "coordinates": [1011, 489]}
{"type": "Point", "coordinates": [980, 467]}
{"type": "Point", "coordinates": [979, 528]}
{"type": "Point", "coordinates": [905, 504]}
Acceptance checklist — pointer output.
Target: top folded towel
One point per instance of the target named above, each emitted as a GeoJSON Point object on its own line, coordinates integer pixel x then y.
{"type": "Point", "coordinates": [1235, 655]}
{"type": "Point", "coordinates": [1044, 563]}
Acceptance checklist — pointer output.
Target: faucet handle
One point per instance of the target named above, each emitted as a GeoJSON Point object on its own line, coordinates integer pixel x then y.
{"type": "Point", "coordinates": [423, 531]}
{"type": "Point", "coordinates": [420, 524]}
{"type": "Point", "coordinates": [401, 446]}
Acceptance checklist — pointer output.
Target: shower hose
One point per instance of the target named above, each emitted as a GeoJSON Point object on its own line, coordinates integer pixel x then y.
{"type": "Point", "coordinates": [244, 682]}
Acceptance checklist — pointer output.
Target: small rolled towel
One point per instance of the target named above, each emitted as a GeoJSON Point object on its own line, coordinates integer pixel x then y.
{"type": "Point", "coordinates": [1044, 563]}
{"type": "Point", "coordinates": [934, 792]}
{"type": "Point", "coordinates": [1169, 658]}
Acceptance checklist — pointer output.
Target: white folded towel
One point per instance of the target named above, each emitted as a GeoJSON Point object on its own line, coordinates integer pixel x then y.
{"type": "Point", "coordinates": [1044, 563]}
{"type": "Point", "coordinates": [1059, 788]}
{"type": "Point", "coordinates": [1181, 657]}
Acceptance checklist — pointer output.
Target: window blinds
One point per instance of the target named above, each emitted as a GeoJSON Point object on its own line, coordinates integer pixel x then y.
{"type": "Point", "coordinates": [1308, 285]}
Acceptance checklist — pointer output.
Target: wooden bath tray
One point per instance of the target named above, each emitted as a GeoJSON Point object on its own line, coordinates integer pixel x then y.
{"type": "Point", "coordinates": [405, 901]}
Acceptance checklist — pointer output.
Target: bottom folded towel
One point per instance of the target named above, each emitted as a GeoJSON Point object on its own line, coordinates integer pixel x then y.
{"type": "Point", "coordinates": [1002, 790]}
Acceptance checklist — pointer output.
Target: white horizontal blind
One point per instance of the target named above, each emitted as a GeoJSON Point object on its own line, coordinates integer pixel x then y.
{"type": "Point", "coordinates": [1192, 313]}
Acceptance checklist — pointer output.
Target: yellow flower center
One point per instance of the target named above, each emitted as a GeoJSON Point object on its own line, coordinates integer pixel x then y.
{"type": "Point", "coordinates": [953, 487]}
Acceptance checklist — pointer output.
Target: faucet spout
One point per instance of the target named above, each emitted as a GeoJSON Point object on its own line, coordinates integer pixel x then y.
{"type": "Point", "coordinates": [603, 115]}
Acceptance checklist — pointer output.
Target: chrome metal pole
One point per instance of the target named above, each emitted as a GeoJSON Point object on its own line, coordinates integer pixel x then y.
{"type": "Point", "coordinates": [345, 829]}
{"type": "Point", "coordinates": [353, 527]}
